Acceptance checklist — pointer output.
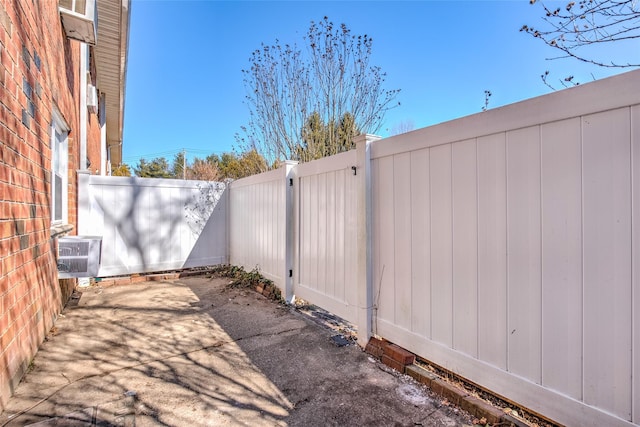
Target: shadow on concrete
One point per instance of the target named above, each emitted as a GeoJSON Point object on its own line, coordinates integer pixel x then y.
{"type": "Point", "coordinates": [194, 353]}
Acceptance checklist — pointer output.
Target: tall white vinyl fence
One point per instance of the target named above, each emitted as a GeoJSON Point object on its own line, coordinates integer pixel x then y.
{"type": "Point", "coordinates": [506, 249]}
{"type": "Point", "coordinates": [502, 246]}
{"type": "Point", "coordinates": [151, 224]}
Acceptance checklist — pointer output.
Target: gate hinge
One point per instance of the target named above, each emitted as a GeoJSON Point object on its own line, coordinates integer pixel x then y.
{"type": "Point", "coordinates": [290, 182]}
{"type": "Point", "coordinates": [290, 273]}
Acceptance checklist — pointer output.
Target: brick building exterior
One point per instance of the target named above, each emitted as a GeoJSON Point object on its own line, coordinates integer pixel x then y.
{"type": "Point", "coordinates": [60, 112]}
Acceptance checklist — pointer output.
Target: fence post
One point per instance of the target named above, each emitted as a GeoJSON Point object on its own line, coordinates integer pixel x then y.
{"type": "Point", "coordinates": [364, 277]}
{"type": "Point", "coordinates": [290, 224]}
{"type": "Point", "coordinates": [227, 219]}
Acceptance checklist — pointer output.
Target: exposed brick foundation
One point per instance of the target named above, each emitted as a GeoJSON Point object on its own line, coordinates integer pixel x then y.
{"type": "Point", "coordinates": [403, 361]}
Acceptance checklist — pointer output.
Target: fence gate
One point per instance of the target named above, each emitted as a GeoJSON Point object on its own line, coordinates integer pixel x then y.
{"type": "Point", "coordinates": [325, 227]}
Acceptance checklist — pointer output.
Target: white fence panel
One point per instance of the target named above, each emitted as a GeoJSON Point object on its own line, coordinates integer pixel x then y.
{"type": "Point", "coordinates": [325, 234]}
{"type": "Point", "coordinates": [505, 249]}
{"type": "Point", "coordinates": [257, 224]}
{"type": "Point", "coordinates": [153, 224]}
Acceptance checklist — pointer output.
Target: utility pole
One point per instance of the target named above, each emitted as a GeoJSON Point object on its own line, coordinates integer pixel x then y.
{"type": "Point", "coordinates": [184, 163]}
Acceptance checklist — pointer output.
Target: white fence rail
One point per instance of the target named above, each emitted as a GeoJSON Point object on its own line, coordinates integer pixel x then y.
{"type": "Point", "coordinates": [153, 224]}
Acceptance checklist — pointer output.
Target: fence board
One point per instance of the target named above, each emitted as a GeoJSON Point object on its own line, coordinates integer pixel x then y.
{"type": "Point", "coordinates": [441, 246]}
{"type": "Point", "coordinates": [384, 239]}
{"type": "Point", "coordinates": [314, 235]}
{"type": "Point", "coordinates": [321, 279]}
{"type": "Point", "coordinates": [402, 239]}
{"type": "Point", "coordinates": [562, 257]}
{"type": "Point", "coordinates": [465, 247]}
{"type": "Point", "coordinates": [349, 238]}
{"type": "Point", "coordinates": [332, 286]}
{"type": "Point", "coordinates": [607, 261]}
{"type": "Point", "coordinates": [524, 264]}
{"type": "Point", "coordinates": [420, 243]}
{"type": "Point", "coordinates": [492, 251]}
{"type": "Point", "coordinates": [340, 250]}
{"type": "Point", "coordinates": [305, 210]}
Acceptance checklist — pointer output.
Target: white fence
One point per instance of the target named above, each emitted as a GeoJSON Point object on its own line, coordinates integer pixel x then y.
{"type": "Point", "coordinates": [153, 224]}
{"type": "Point", "coordinates": [503, 246]}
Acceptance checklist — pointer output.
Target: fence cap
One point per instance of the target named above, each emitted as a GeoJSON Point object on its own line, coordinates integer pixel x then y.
{"type": "Point", "coordinates": [365, 137]}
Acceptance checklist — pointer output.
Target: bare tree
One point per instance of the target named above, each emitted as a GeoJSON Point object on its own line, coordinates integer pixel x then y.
{"type": "Point", "coordinates": [331, 77]}
{"type": "Point", "coordinates": [403, 127]}
{"type": "Point", "coordinates": [577, 26]}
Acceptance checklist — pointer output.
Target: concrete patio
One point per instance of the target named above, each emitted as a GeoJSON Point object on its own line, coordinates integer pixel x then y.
{"type": "Point", "coordinates": [193, 353]}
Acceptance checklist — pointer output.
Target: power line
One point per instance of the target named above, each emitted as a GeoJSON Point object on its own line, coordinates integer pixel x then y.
{"type": "Point", "coordinates": [135, 158]}
{"type": "Point", "coordinates": [151, 155]}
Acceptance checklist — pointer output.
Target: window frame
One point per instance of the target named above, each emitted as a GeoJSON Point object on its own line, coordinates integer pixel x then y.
{"type": "Point", "coordinates": [59, 168]}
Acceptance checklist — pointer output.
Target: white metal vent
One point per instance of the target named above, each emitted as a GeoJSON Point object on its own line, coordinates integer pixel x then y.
{"type": "Point", "coordinates": [79, 256]}
{"type": "Point", "coordinates": [79, 19]}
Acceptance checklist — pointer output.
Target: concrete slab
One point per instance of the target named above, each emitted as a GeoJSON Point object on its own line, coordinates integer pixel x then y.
{"type": "Point", "coordinates": [193, 353]}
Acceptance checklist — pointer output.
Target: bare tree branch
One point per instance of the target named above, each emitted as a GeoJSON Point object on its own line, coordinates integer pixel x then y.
{"type": "Point", "coordinates": [331, 77]}
{"type": "Point", "coordinates": [403, 127]}
{"type": "Point", "coordinates": [572, 29]}
{"type": "Point", "coordinates": [487, 95]}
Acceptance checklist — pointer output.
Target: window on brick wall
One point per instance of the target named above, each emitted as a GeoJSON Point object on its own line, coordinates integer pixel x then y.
{"type": "Point", "coordinates": [59, 172]}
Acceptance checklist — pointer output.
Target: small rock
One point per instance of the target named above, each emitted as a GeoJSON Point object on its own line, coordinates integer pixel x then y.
{"type": "Point", "coordinates": [339, 340]}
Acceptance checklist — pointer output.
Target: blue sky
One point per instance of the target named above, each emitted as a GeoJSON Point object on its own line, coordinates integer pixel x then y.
{"type": "Point", "coordinates": [184, 81]}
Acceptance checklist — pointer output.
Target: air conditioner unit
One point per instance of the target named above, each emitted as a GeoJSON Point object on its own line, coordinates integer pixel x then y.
{"type": "Point", "coordinates": [79, 19]}
{"type": "Point", "coordinates": [79, 256]}
{"type": "Point", "coordinates": [92, 99]}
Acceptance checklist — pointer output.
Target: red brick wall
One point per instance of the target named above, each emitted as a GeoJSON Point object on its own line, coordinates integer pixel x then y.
{"type": "Point", "coordinates": [35, 54]}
